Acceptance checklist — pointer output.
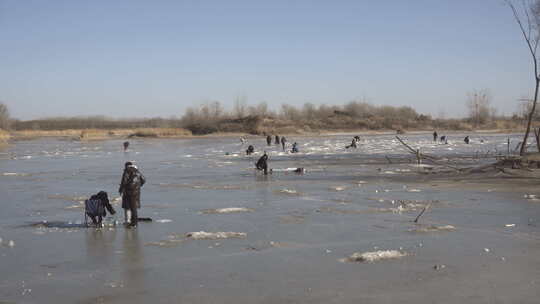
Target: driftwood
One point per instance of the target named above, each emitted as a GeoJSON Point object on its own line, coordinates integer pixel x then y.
{"type": "Point", "coordinates": [430, 158]}
{"type": "Point", "coordinates": [537, 136]}
{"type": "Point", "coordinates": [502, 164]}
{"type": "Point", "coordinates": [423, 210]}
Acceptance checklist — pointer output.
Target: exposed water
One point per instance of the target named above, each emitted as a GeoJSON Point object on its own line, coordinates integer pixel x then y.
{"type": "Point", "coordinates": [292, 231]}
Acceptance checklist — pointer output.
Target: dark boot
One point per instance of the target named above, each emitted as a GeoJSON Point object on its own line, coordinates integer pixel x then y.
{"type": "Point", "coordinates": [134, 217]}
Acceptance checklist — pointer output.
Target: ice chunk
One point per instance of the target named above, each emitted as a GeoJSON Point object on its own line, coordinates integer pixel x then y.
{"type": "Point", "coordinates": [289, 191]}
{"type": "Point", "coordinates": [373, 256]}
{"type": "Point", "coordinates": [227, 210]}
{"type": "Point", "coordinates": [163, 221]}
{"type": "Point", "coordinates": [434, 228]}
{"type": "Point", "coordinates": [203, 235]}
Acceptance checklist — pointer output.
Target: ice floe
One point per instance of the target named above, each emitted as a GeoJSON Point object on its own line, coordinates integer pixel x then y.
{"type": "Point", "coordinates": [203, 235]}
{"type": "Point", "coordinates": [373, 256]}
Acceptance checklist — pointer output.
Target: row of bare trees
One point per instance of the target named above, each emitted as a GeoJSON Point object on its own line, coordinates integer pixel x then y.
{"type": "Point", "coordinates": [93, 122]}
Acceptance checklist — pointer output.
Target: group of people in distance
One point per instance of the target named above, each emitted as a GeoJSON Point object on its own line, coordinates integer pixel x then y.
{"type": "Point", "coordinates": [262, 163]}
{"type": "Point", "coordinates": [278, 140]}
{"type": "Point", "coordinates": [444, 138]}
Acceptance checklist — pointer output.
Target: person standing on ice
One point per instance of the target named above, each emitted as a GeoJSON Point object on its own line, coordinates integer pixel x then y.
{"type": "Point", "coordinates": [130, 189]}
{"type": "Point", "coordinates": [467, 140]}
{"type": "Point", "coordinates": [283, 141]}
{"type": "Point", "coordinates": [435, 136]}
{"type": "Point", "coordinates": [269, 140]}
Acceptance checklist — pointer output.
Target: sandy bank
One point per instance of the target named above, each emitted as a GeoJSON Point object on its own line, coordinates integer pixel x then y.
{"type": "Point", "coordinates": [106, 134]}
{"type": "Point", "coordinates": [102, 134]}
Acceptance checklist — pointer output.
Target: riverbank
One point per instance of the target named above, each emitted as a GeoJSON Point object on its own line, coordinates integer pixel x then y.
{"type": "Point", "coordinates": [101, 134]}
{"type": "Point", "coordinates": [108, 134]}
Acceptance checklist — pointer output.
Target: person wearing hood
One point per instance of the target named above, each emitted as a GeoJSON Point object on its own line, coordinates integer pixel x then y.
{"type": "Point", "coordinates": [96, 207]}
{"type": "Point", "coordinates": [130, 189]}
{"type": "Point", "coordinates": [262, 163]}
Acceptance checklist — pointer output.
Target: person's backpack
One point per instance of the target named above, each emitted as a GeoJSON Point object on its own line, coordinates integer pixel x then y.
{"type": "Point", "coordinates": [93, 208]}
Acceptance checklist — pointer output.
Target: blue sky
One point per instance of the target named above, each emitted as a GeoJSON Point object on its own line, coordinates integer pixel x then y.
{"type": "Point", "coordinates": [155, 58]}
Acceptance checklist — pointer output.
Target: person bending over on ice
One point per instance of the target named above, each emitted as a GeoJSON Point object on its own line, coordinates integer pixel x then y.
{"type": "Point", "coordinates": [467, 140]}
{"type": "Point", "coordinates": [95, 207]}
{"type": "Point", "coordinates": [130, 189]}
{"type": "Point", "coordinates": [353, 144]}
{"type": "Point", "coordinates": [294, 148]}
{"type": "Point", "coordinates": [262, 163]}
{"type": "Point", "coordinates": [250, 150]}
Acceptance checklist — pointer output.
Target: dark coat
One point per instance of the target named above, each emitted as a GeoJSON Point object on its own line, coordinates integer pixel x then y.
{"type": "Point", "coordinates": [130, 187]}
{"type": "Point", "coordinates": [262, 163]}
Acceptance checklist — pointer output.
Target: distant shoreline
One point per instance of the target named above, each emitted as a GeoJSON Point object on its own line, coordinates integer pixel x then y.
{"type": "Point", "coordinates": [179, 133]}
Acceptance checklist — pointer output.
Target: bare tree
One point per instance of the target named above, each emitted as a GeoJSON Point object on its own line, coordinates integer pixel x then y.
{"type": "Point", "coordinates": [309, 111]}
{"type": "Point", "coordinates": [528, 19]}
{"type": "Point", "coordinates": [4, 117]}
{"type": "Point", "coordinates": [240, 107]}
{"type": "Point", "coordinates": [478, 102]}
{"type": "Point", "coordinates": [216, 110]}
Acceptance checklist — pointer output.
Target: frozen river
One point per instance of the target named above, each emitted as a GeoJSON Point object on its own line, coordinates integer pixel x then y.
{"type": "Point", "coordinates": [294, 230]}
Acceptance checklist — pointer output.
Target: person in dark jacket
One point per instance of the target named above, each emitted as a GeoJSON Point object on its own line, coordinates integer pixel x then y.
{"type": "Point", "coordinates": [277, 140]}
{"type": "Point", "coordinates": [435, 136]}
{"type": "Point", "coordinates": [283, 141]}
{"type": "Point", "coordinates": [467, 140]}
{"type": "Point", "coordinates": [353, 144]}
{"type": "Point", "coordinates": [262, 163]}
{"type": "Point", "coordinates": [250, 150]}
{"type": "Point", "coordinates": [96, 207]}
{"type": "Point", "coordinates": [126, 145]}
{"type": "Point", "coordinates": [130, 189]}
{"type": "Point", "coordinates": [269, 140]}
{"type": "Point", "coordinates": [294, 148]}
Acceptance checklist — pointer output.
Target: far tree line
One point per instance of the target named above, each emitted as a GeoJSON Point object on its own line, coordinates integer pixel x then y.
{"type": "Point", "coordinates": [212, 117]}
